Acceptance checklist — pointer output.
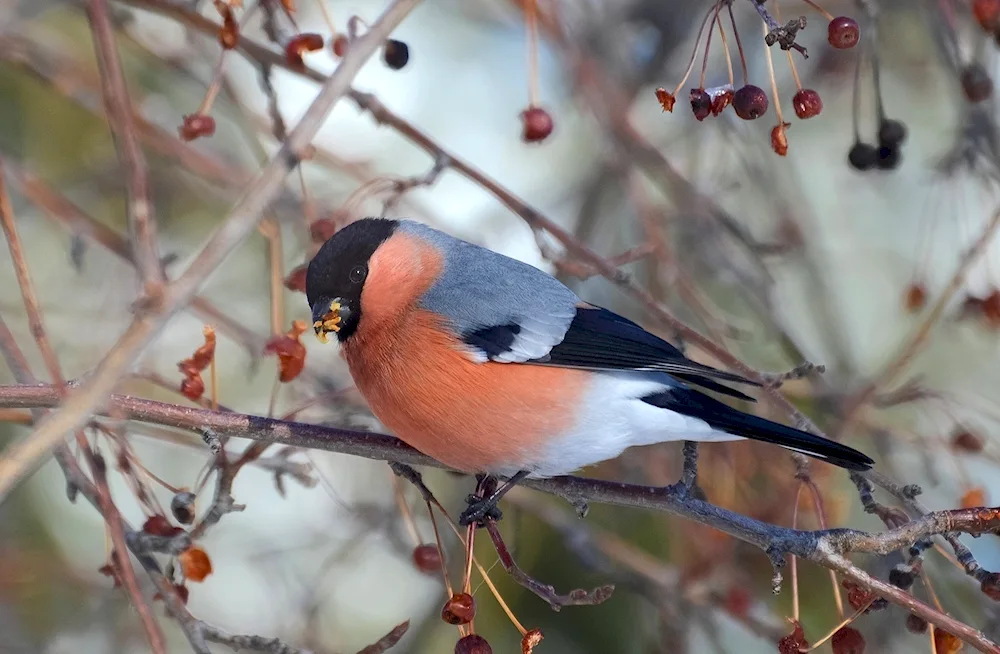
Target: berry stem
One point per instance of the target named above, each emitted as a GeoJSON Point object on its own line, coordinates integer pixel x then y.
{"type": "Point", "coordinates": [826, 14]}
{"type": "Point", "coordinates": [531, 22]}
{"type": "Point", "coordinates": [856, 104]}
{"type": "Point", "coordinates": [708, 45]}
{"type": "Point", "coordinates": [843, 623]}
{"type": "Point", "coordinates": [739, 44]}
{"type": "Point", "coordinates": [774, 81]}
{"type": "Point", "coordinates": [404, 511]}
{"type": "Point", "coordinates": [694, 53]}
{"type": "Point", "coordinates": [437, 541]}
{"type": "Point", "coordinates": [795, 559]}
{"type": "Point", "coordinates": [327, 17]}
{"type": "Point", "coordinates": [725, 46]}
{"type": "Point", "coordinates": [821, 516]}
{"type": "Point", "coordinates": [788, 53]}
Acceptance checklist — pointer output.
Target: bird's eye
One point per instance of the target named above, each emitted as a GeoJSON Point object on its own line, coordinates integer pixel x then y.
{"type": "Point", "coordinates": [358, 274]}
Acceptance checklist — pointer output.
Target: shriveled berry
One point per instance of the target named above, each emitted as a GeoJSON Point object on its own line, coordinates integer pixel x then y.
{"type": "Point", "coordinates": [915, 624]}
{"type": "Point", "coordinates": [460, 609]}
{"type": "Point", "coordinates": [532, 638]}
{"type": "Point", "coordinates": [537, 125]}
{"type": "Point", "coordinates": [779, 140]}
{"type": "Point", "coordinates": [990, 585]}
{"type": "Point", "coordinates": [195, 126]}
{"type": "Point", "coordinates": [193, 387]}
{"type": "Point", "coordinates": [972, 498]}
{"type": "Point", "coordinates": [229, 34]}
{"type": "Point", "coordinates": [473, 644]}
{"type": "Point", "coordinates": [793, 642]}
{"type": "Point", "coordinates": [750, 102]}
{"type": "Point", "coordinates": [395, 54]}
{"type": "Point", "coordinates": [666, 99]}
{"type": "Point", "coordinates": [182, 507]}
{"type": "Point", "coordinates": [427, 558]}
{"type": "Point", "coordinates": [296, 280]}
{"type": "Point", "coordinates": [843, 32]}
{"type": "Point", "coordinates": [891, 133]}
{"type": "Point", "coordinates": [946, 642]}
{"type": "Point", "coordinates": [863, 156]}
{"type": "Point", "coordinates": [991, 308]}
{"type": "Point", "coordinates": [195, 564]}
{"type": "Point", "coordinates": [965, 441]}
{"type": "Point", "coordinates": [339, 45]}
{"type": "Point", "coordinates": [701, 103]}
{"type": "Point", "coordinates": [158, 525]}
{"type": "Point", "coordinates": [321, 230]}
{"type": "Point", "coordinates": [721, 100]}
{"type": "Point", "coordinates": [848, 640]}
{"type": "Point", "coordinates": [976, 83]}
{"type": "Point", "coordinates": [987, 13]}
{"type": "Point", "coordinates": [915, 297]}
{"type": "Point", "coordinates": [301, 44]}
{"type": "Point", "coordinates": [807, 103]}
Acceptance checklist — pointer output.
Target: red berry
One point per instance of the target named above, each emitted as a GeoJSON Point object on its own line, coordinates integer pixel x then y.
{"type": "Point", "coordinates": [976, 83]}
{"type": "Point", "coordinates": [296, 280]}
{"type": "Point", "coordinates": [460, 609]}
{"type": "Point", "coordinates": [701, 104]}
{"type": "Point", "coordinates": [537, 125]}
{"type": "Point", "coordinates": [915, 624]}
{"type": "Point", "coordinates": [158, 525]}
{"type": "Point", "coordinates": [427, 558]}
{"type": "Point", "coordinates": [965, 441]}
{"type": "Point", "coordinates": [843, 32]}
{"type": "Point", "coordinates": [793, 642]}
{"type": "Point", "coordinates": [807, 103]}
{"type": "Point", "coordinates": [750, 102]}
{"type": "Point", "coordinates": [987, 13]}
{"type": "Point", "coordinates": [848, 641]}
{"type": "Point", "coordinates": [473, 644]}
{"type": "Point", "coordinates": [340, 44]}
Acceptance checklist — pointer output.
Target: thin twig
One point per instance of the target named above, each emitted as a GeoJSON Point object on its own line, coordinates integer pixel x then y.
{"type": "Point", "coordinates": [141, 219]}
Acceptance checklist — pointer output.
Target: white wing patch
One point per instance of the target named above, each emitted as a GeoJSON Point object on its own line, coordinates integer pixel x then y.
{"type": "Point", "coordinates": [537, 337]}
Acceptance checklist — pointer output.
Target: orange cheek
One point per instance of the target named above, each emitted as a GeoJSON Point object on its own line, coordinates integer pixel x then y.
{"type": "Point", "coordinates": [474, 417]}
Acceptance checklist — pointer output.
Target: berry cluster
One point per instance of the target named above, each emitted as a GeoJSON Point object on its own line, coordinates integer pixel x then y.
{"type": "Point", "coordinates": [750, 101]}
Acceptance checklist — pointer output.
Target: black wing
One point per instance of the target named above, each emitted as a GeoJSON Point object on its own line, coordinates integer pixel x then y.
{"type": "Point", "coordinates": [599, 339]}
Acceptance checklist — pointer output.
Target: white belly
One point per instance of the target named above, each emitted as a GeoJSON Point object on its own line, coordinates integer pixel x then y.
{"type": "Point", "coordinates": [612, 419]}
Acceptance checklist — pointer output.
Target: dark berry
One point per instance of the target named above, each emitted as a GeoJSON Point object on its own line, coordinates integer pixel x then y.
{"type": "Point", "coordinates": [395, 54]}
{"type": "Point", "coordinates": [901, 578]}
{"type": "Point", "coordinates": [976, 83]}
{"type": "Point", "coordinates": [965, 441]}
{"type": "Point", "coordinates": [750, 102]}
{"type": "Point", "coordinates": [848, 640]}
{"type": "Point", "coordinates": [843, 32]}
{"type": "Point", "coordinates": [701, 103]}
{"type": "Point", "coordinates": [427, 558]}
{"type": "Point", "coordinates": [915, 624]}
{"type": "Point", "coordinates": [915, 297]}
{"type": "Point", "coordinates": [807, 103]}
{"type": "Point", "coordinates": [182, 506]}
{"type": "Point", "coordinates": [721, 100]}
{"type": "Point", "coordinates": [537, 125]}
{"type": "Point", "coordinates": [891, 133]}
{"type": "Point", "coordinates": [460, 609]}
{"type": "Point", "coordinates": [863, 156]}
{"type": "Point", "coordinates": [473, 644]}
{"type": "Point", "coordinates": [889, 158]}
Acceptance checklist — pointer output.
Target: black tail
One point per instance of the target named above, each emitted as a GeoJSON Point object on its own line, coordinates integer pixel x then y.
{"type": "Point", "coordinates": [725, 418]}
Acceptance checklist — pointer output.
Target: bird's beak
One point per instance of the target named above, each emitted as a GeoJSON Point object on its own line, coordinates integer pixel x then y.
{"type": "Point", "coordinates": [329, 316]}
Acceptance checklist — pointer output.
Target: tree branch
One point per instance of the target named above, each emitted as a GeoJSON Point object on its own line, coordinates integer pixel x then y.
{"type": "Point", "coordinates": [824, 547]}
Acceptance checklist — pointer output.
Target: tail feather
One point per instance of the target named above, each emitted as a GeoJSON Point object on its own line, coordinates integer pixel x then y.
{"type": "Point", "coordinates": [725, 418]}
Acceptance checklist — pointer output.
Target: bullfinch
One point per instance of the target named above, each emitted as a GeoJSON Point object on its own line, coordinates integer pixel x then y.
{"type": "Point", "coordinates": [492, 366]}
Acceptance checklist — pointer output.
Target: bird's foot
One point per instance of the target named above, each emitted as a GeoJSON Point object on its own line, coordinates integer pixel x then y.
{"type": "Point", "coordinates": [479, 510]}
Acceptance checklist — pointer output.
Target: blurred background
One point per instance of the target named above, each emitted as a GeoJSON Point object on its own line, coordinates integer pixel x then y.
{"type": "Point", "coordinates": [782, 259]}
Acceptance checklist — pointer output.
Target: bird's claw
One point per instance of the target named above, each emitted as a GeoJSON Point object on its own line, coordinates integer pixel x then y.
{"type": "Point", "coordinates": [479, 511]}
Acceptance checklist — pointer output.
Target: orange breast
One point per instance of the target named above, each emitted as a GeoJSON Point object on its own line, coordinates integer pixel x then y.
{"type": "Point", "coordinates": [475, 417]}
